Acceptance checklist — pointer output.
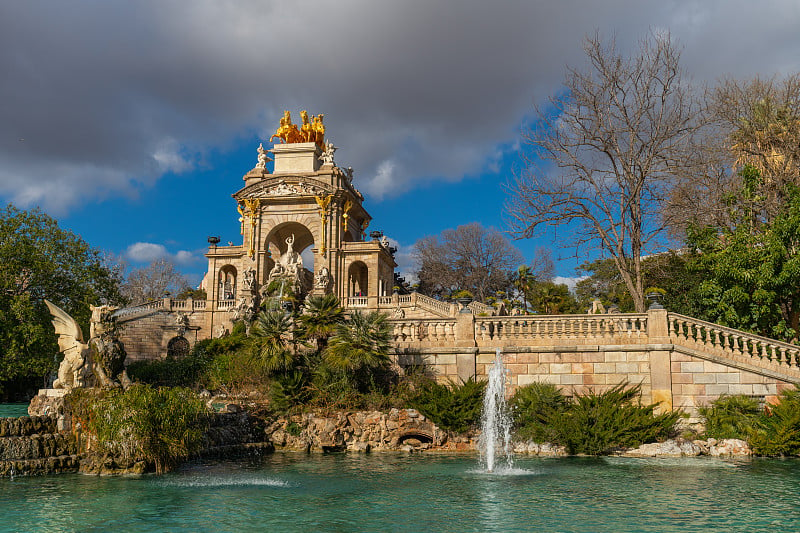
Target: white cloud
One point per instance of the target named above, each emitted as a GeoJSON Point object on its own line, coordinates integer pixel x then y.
{"type": "Point", "coordinates": [404, 257]}
{"type": "Point", "coordinates": [169, 157]}
{"type": "Point", "coordinates": [183, 257]}
{"type": "Point", "coordinates": [411, 90]}
{"type": "Point", "coordinates": [568, 281]}
{"type": "Point", "coordinates": [146, 252]}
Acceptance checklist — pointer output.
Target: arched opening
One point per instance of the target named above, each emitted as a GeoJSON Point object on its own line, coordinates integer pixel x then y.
{"type": "Point", "coordinates": [276, 242]}
{"type": "Point", "coordinates": [415, 437]}
{"type": "Point", "coordinates": [291, 256]}
{"type": "Point", "coordinates": [358, 279]}
{"type": "Point", "coordinates": [226, 282]}
{"type": "Point", "coordinates": [178, 347]}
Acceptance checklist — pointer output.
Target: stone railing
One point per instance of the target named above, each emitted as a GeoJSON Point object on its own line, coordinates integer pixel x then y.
{"type": "Point", "coordinates": [478, 308]}
{"type": "Point", "coordinates": [415, 299]}
{"type": "Point", "coordinates": [358, 301]}
{"type": "Point", "coordinates": [727, 342]}
{"type": "Point", "coordinates": [632, 327]}
{"type": "Point", "coordinates": [157, 304]}
{"type": "Point", "coordinates": [434, 305]}
{"type": "Point", "coordinates": [225, 304]}
{"type": "Point", "coordinates": [435, 331]}
{"type": "Point", "coordinates": [165, 304]}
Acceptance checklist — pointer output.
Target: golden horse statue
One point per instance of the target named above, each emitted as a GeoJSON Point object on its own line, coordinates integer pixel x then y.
{"type": "Point", "coordinates": [311, 130]}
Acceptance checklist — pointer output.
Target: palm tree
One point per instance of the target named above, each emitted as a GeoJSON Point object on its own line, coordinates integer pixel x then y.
{"type": "Point", "coordinates": [522, 282]}
{"type": "Point", "coordinates": [322, 315]}
{"type": "Point", "coordinates": [270, 335]}
{"type": "Point", "coordinates": [361, 346]}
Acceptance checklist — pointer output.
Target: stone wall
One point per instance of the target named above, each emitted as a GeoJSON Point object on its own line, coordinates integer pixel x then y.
{"type": "Point", "coordinates": [679, 362]}
{"type": "Point", "coordinates": [33, 446]}
{"type": "Point", "coordinates": [146, 334]}
{"type": "Point", "coordinates": [696, 382]}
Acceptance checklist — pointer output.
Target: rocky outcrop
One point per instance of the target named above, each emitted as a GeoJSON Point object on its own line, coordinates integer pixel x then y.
{"type": "Point", "coordinates": [236, 433]}
{"type": "Point", "coordinates": [359, 431]}
{"type": "Point", "coordinates": [687, 448]}
{"type": "Point", "coordinates": [543, 449]}
{"type": "Point", "coordinates": [31, 445]}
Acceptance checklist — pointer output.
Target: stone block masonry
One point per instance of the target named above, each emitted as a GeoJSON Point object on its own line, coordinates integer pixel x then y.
{"type": "Point", "coordinates": [679, 362]}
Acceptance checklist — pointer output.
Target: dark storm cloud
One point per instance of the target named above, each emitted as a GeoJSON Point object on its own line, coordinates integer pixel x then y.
{"type": "Point", "coordinates": [101, 98]}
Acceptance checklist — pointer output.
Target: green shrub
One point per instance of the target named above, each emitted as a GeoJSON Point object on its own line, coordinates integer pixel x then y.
{"type": "Point", "coordinates": [289, 390]}
{"type": "Point", "coordinates": [235, 372]}
{"type": "Point", "coordinates": [161, 426]}
{"type": "Point", "coordinates": [778, 432]}
{"type": "Point", "coordinates": [731, 417]}
{"type": "Point", "coordinates": [171, 372]}
{"type": "Point", "coordinates": [294, 429]}
{"type": "Point", "coordinates": [595, 424]}
{"type": "Point", "coordinates": [453, 407]}
{"type": "Point", "coordinates": [535, 408]}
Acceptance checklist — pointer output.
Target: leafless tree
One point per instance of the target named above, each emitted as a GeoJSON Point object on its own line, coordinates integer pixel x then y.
{"type": "Point", "coordinates": [753, 122]}
{"type": "Point", "coordinates": [471, 257]}
{"type": "Point", "coordinates": [605, 153]}
{"type": "Point", "coordinates": [153, 282]}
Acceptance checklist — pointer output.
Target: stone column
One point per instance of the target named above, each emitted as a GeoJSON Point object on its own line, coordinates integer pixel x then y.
{"type": "Point", "coordinates": [465, 337]}
{"type": "Point", "coordinates": [660, 359]}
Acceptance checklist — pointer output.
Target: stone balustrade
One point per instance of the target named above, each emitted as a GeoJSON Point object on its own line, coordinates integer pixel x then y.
{"type": "Point", "coordinates": [582, 329]}
{"type": "Point", "coordinates": [165, 304]}
{"type": "Point", "coordinates": [716, 339]}
{"type": "Point", "coordinates": [225, 304]}
{"type": "Point", "coordinates": [436, 332]}
{"type": "Point", "coordinates": [358, 301]}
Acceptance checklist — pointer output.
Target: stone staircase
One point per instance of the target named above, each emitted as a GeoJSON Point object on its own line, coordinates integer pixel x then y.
{"type": "Point", "coordinates": [32, 445]}
{"type": "Point", "coordinates": [734, 348]}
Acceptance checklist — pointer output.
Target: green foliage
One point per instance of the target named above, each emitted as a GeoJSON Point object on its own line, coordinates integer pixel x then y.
{"type": "Point", "coordinates": [40, 260]}
{"type": "Point", "coordinates": [550, 298]}
{"type": "Point", "coordinates": [194, 294]}
{"type": "Point", "coordinates": [655, 290]}
{"type": "Point", "coordinates": [779, 430]}
{"type": "Point", "coordinates": [461, 293]}
{"type": "Point", "coordinates": [360, 349]}
{"type": "Point", "coordinates": [536, 407]}
{"type": "Point", "coordinates": [289, 390]}
{"type": "Point", "coordinates": [677, 274]}
{"type": "Point", "coordinates": [161, 426]}
{"type": "Point", "coordinates": [453, 407]}
{"type": "Point", "coordinates": [754, 266]}
{"type": "Point", "coordinates": [270, 334]}
{"type": "Point", "coordinates": [731, 417]}
{"type": "Point", "coordinates": [319, 321]}
{"type": "Point", "coordinates": [595, 424]}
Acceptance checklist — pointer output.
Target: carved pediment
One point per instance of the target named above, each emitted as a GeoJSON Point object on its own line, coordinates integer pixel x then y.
{"type": "Point", "coordinates": [277, 188]}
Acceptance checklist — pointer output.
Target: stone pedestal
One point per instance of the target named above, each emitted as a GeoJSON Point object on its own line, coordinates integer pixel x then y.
{"type": "Point", "coordinates": [296, 157]}
{"type": "Point", "coordinates": [50, 402]}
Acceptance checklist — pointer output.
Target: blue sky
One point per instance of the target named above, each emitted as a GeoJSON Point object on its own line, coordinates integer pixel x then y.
{"type": "Point", "coordinates": [133, 122]}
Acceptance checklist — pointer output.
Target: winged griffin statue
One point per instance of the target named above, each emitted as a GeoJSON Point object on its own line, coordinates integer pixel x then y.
{"type": "Point", "coordinates": [98, 362]}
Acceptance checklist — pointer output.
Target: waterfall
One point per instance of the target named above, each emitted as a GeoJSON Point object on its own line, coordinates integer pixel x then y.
{"type": "Point", "coordinates": [495, 440]}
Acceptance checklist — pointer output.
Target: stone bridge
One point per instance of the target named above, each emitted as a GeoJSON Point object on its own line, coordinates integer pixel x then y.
{"type": "Point", "coordinates": [679, 361]}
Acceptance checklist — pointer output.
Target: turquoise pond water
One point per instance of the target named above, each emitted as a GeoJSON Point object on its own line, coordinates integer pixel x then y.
{"type": "Point", "coordinates": [13, 409]}
{"type": "Point", "coordinates": [428, 492]}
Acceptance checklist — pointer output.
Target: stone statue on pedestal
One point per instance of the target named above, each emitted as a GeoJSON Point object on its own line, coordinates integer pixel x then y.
{"type": "Point", "coordinates": [97, 363]}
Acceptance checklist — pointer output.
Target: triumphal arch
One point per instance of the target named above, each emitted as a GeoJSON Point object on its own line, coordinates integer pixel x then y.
{"type": "Point", "coordinates": [303, 226]}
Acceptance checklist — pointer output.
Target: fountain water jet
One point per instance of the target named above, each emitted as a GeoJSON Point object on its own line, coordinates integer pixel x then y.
{"type": "Point", "coordinates": [495, 439]}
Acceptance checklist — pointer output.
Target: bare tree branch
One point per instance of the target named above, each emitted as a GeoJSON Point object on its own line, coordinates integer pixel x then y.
{"type": "Point", "coordinates": [606, 153]}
